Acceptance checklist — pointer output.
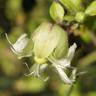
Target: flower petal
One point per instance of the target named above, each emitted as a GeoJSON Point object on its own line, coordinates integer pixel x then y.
{"type": "Point", "coordinates": [66, 61]}
{"type": "Point", "coordinates": [71, 52]}
{"type": "Point", "coordinates": [20, 43]}
{"type": "Point", "coordinates": [45, 40]}
{"type": "Point", "coordinates": [63, 75]}
{"type": "Point", "coordinates": [43, 67]}
{"type": "Point", "coordinates": [23, 47]}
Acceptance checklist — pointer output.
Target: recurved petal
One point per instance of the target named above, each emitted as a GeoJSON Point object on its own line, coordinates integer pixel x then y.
{"type": "Point", "coordinates": [22, 47]}
{"type": "Point", "coordinates": [71, 52]}
{"type": "Point", "coordinates": [27, 51]}
{"type": "Point", "coordinates": [64, 76]}
{"type": "Point", "coordinates": [20, 44]}
{"type": "Point", "coordinates": [67, 61]}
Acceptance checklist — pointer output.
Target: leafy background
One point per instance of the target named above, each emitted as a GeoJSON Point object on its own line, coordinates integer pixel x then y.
{"type": "Point", "coordinates": [23, 16]}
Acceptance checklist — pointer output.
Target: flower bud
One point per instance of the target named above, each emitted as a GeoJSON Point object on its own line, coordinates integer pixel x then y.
{"type": "Point", "coordinates": [50, 40]}
{"type": "Point", "coordinates": [80, 17]}
{"type": "Point", "coordinates": [57, 12]}
{"type": "Point", "coordinates": [91, 9]}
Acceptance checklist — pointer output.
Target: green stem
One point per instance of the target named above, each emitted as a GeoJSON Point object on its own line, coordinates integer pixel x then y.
{"type": "Point", "coordinates": [87, 60]}
{"type": "Point", "coordinates": [70, 90]}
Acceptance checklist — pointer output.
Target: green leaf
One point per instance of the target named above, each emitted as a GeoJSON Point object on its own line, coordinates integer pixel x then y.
{"type": "Point", "coordinates": [78, 4]}
{"type": "Point", "coordinates": [72, 6]}
{"type": "Point", "coordinates": [91, 9]}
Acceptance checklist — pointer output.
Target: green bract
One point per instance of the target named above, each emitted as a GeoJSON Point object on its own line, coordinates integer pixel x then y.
{"type": "Point", "coordinates": [91, 9]}
{"type": "Point", "coordinates": [57, 12]}
{"type": "Point", "coordinates": [49, 40]}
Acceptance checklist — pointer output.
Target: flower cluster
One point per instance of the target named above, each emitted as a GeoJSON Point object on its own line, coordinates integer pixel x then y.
{"type": "Point", "coordinates": [48, 45]}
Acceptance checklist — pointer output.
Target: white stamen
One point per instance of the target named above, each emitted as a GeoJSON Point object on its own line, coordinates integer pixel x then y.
{"type": "Point", "coordinates": [29, 74]}
{"type": "Point", "coordinates": [8, 39]}
{"type": "Point", "coordinates": [27, 66]}
{"type": "Point", "coordinates": [35, 71]}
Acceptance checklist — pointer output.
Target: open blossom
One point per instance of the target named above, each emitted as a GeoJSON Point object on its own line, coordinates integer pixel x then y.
{"type": "Point", "coordinates": [48, 44]}
{"type": "Point", "coordinates": [64, 63]}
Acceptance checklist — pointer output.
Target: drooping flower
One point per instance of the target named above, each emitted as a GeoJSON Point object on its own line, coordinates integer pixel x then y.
{"type": "Point", "coordinates": [64, 63]}
{"type": "Point", "coordinates": [22, 46]}
{"type": "Point", "coordinates": [51, 44]}
{"type": "Point", "coordinates": [48, 44]}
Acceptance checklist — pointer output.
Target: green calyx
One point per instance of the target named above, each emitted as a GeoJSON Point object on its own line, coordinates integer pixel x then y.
{"type": "Point", "coordinates": [49, 40]}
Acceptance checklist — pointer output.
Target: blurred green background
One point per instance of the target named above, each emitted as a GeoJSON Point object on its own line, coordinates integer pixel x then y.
{"type": "Point", "coordinates": [23, 16]}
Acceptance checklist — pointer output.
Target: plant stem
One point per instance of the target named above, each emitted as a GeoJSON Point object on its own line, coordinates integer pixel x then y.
{"type": "Point", "coordinates": [70, 90]}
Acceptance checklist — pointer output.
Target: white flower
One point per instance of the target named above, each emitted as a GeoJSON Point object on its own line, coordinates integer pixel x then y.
{"type": "Point", "coordinates": [48, 44]}
{"type": "Point", "coordinates": [19, 45]}
{"type": "Point", "coordinates": [61, 65]}
{"type": "Point", "coordinates": [37, 70]}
